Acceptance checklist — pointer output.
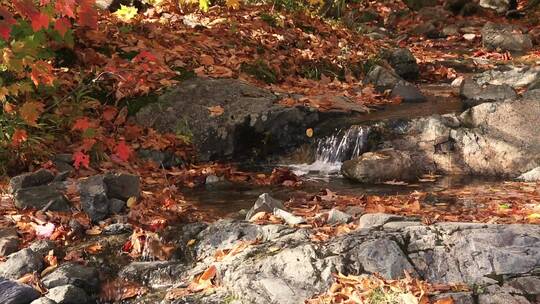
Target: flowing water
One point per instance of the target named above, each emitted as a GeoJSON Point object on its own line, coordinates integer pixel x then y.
{"type": "Point", "coordinates": [331, 151]}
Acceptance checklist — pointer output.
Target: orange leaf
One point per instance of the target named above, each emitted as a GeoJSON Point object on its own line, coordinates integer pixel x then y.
{"type": "Point", "coordinates": [65, 7]}
{"type": "Point", "coordinates": [216, 111]}
{"type": "Point", "coordinates": [81, 124]}
{"type": "Point", "coordinates": [448, 300]}
{"type": "Point", "coordinates": [19, 136]}
{"type": "Point", "coordinates": [87, 14]}
{"type": "Point", "coordinates": [42, 73]}
{"type": "Point", "coordinates": [30, 112]}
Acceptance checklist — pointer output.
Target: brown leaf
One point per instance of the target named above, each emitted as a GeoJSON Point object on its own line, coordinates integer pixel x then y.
{"type": "Point", "coordinates": [216, 111]}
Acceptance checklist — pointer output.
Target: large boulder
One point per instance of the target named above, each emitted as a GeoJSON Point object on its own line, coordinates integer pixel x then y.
{"type": "Point", "coordinates": [475, 94]}
{"type": "Point", "coordinates": [505, 38]}
{"type": "Point", "coordinates": [20, 263]}
{"type": "Point", "coordinates": [514, 76]}
{"type": "Point", "coordinates": [227, 117]}
{"type": "Point", "coordinates": [380, 166]}
{"type": "Point", "coordinates": [384, 79]}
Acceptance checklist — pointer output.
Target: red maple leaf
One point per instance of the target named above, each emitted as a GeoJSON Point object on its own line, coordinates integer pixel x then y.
{"type": "Point", "coordinates": [123, 151]}
{"type": "Point", "coordinates": [65, 7]}
{"type": "Point", "coordinates": [40, 21]}
{"type": "Point", "coordinates": [6, 21]}
{"type": "Point", "coordinates": [62, 25]}
{"type": "Point", "coordinates": [81, 124]}
{"type": "Point", "coordinates": [26, 8]}
{"type": "Point", "coordinates": [79, 159]}
{"type": "Point", "coordinates": [87, 14]}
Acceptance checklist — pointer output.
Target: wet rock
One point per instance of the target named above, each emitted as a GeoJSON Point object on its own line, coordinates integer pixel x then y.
{"type": "Point", "coordinates": [475, 94]}
{"type": "Point", "coordinates": [373, 220]}
{"type": "Point", "coordinates": [407, 92]}
{"type": "Point", "coordinates": [288, 217]}
{"type": "Point", "coordinates": [122, 186]}
{"type": "Point", "coordinates": [336, 216]}
{"type": "Point", "coordinates": [514, 76]}
{"type": "Point", "coordinates": [94, 201]}
{"type": "Point", "coordinates": [37, 178]}
{"type": "Point", "coordinates": [12, 292]}
{"type": "Point", "coordinates": [376, 167]}
{"type": "Point", "coordinates": [40, 197]}
{"type": "Point", "coordinates": [43, 300]}
{"type": "Point", "coordinates": [251, 118]}
{"type": "Point", "coordinates": [9, 241]}
{"type": "Point", "coordinates": [505, 38]}
{"type": "Point", "coordinates": [419, 4]}
{"type": "Point", "coordinates": [117, 228]}
{"type": "Point", "coordinates": [20, 263]}
{"type": "Point", "coordinates": [116, 206]}
{"type": "Point", "coordinates": [404, 63]}
{"type": "Point", "coordinates": [500, 6]}
{"type": "Point", "coordinates": [78, 275]}
{"type": "Point", "coordinates": [265, 203]}
{"type": "Point", "coordinates": [68, 294]}
{"type": "Point", "coordinates": [530, 176]}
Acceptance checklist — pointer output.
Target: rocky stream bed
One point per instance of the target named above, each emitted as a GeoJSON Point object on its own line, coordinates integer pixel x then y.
{"type": "Point", "coordinates": [487, 126]}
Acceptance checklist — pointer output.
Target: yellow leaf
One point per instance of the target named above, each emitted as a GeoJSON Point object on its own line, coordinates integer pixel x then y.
{"type": "Point", "coordinates": [131, 202]}
{"type": "Point", "coordinates": [30, 112]}
{"type": "Point", "coordinates": [309, 132]}
{"type": "Point", "coordinates": [234, 4]}
{"type": "Point", "coordinates": [534, 216]}
{"type": "Point", "coordinates": [126, 13]}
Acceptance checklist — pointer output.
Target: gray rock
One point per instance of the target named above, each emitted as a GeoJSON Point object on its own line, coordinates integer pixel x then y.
{"type": "Point", "coordinates": [265, 203]}
{"type": "Point", "coordinates": [500, 6]}
{"type": "Point", "coordinates": [43, 300]}
{"type": "Point", "coordinates": [117, 228]}
{"type": "Point", "coordinates": [20, 263]}
{"type": "Point", "coordinates": [380, 166]}
{"type": "Point", "coordinates": [78, 275]}
{"type": "Point", "coordinates": [384, 257]}
{"type": "Point", "coordinates": [165, 159]}
{"type": "Point", "coordinates": [122, 186]}
{"type": "Point", "coordinates": [474, 94]}
{"type": "Point", "coordinates": [505, 38]}
{"type": "Point", "coordinates": [383, 79]}
{"type": "Point", "coordinates": [373, 220]}
{"type": "Point", "coordinates": [251, 118]}
{"type": "Point", "coordinates": [155, 273]}
{"type": "Point", "coordinates": [407, 92]}
{"type": "Point", "coordinates": [12, 292]}
{"type": "Point", "coordinates": [404, 63]}
{"type": "Point", "coordinates": [63, 162]}
{"type": "Point", "coordinates": [530, 176]}
{"type": "Point", "coordinates": [514, 76]}
{"type": "Point", "coordinates": [336, 216]}
{"type": "Point", "coordinates": [68, 294]}
{"type": "Point", "coordinates": [42, 247]}
{"type": "Point", "coordinates": [37, 178]}
{"type": "Point", "coordinates": [288, 217]}
{"type": "Point", "coordinates": [501, 298]}
{"type": "Point", "coordinates": [116, 206]}
{"type": "Point", "coordinates": [40, 197]}
{"type": "Point", "coordinates": [94, 201]}
{"type": "Point", "coordinates": [9, 241]}
{"type": "Point", "coordinates": [527, 285]}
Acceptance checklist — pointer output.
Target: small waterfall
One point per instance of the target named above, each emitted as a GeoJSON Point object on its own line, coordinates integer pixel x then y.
{"type": "Point", "coordinates": [333, 150]}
